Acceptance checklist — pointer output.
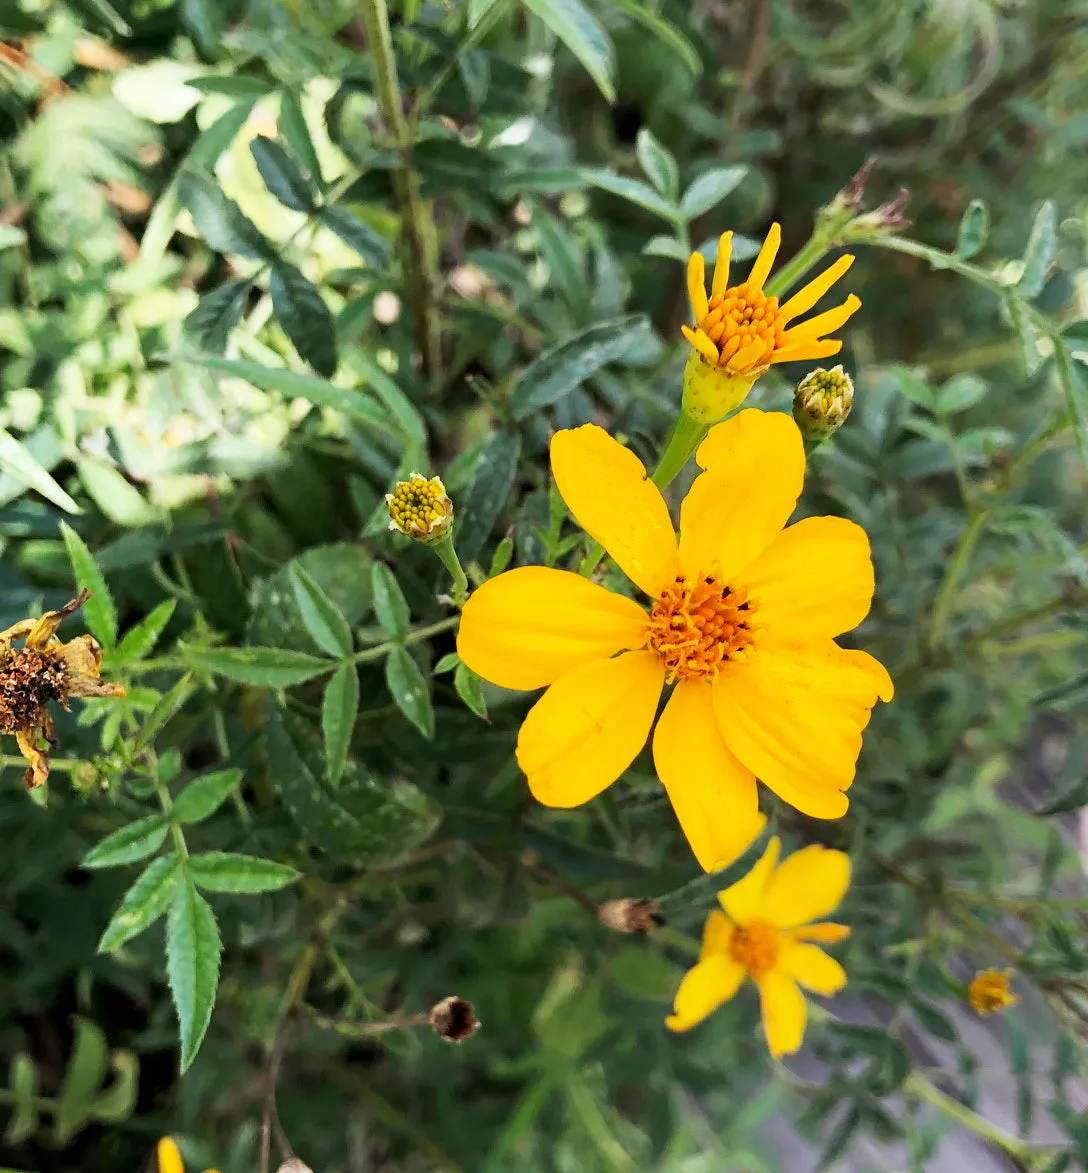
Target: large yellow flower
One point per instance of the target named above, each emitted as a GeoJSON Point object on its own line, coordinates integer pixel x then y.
{"type": "Point", "coordinates": [766, 933]}
{"type": "Point", "coordinates": [742, 621]}
{"type": "Point", "coordinates": [170, 1158]}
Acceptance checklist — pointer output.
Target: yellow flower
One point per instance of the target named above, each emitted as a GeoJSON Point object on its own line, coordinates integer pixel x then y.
{"type": "Point", "coordinates": [742, 620]}
{"type": "Point", "coordinates": [170, 1158]}
{"type": "Point", "coordinates": [420, 508]}
{"type": "Point", "coordinates": [991, 991]}
{"type": "Point", "coordinates": [740, 332]}
{"type": "Point", "coordinates": [766, 933]}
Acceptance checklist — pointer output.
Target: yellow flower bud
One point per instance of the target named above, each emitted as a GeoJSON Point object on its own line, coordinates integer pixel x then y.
{"type": "Point", "coordinates": [420, 508]}
{"type": "Point", "coordinates": [822, 402]}
{"type": "Point", "coordinates": [991, 991]}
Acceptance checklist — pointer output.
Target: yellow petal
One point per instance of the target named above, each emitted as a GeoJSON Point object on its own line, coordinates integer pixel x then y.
{"type": "Point", "coordinates": [806, 297]}
{"type": "Point", "coordinates": [607, 490]}
{"type": "Point", "coordinates": [815, 579]}
{"type": "Point", "coordinates": [527, 627]}
{"type": "Point", "coordinates": [809, 884]}
{"type": "Point", "coordinates": [824, 323]}
{"type": "Point", "coordinates": [721, 264]}
{"type": "Point", "coordinates": [589, 727]}
{"type": "Point", "coordinates": [742, 901]}
{"type": "Point", "coordinates": [705, 987]}
{"type": "Point", "coordinates": [784, 1013]}
{"type": "Point", "coordinates": [701, 343]}
{"type": "Point", "coordinates": [827, 932]}
{"type": "Point", "coordinates": [762, 268]}
{"type": "Point", "coordinates": [755, 465]}
{"type": "Point", "coordinates": [717, 935]}
{"type": "Point", "coordinates": [713, 795]}
{"type": "Point", "coordinates": [169, 1157]}
{"type": "Point", "coordinates": [794, 714]}
{"type": "Point", "coordinates": [697, 286]}
{"type": "Point", "coordinates": [807, 349]}
{"type": "Point", "coordinates": [812, 968]}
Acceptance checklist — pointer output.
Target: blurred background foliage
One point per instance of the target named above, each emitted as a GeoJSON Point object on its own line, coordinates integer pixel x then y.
{"type": "Point", "coordinates": [260, 257]}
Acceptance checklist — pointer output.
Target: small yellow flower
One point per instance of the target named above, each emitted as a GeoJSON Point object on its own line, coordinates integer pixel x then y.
{"type": "Point", "coordinates": [991, 991]}
{"type": "Point", "coordinates": [741, 619]}
{"type": "Point", "coordinates": [766, 933]}
{"type": "Point", "coordinates": [170, 1158]}
{"type": "Point", "coordinates": [420, 508]}
{"type": "Point", "coordinates": [740, 332]}
{"type": "Point", "coordinates": [44, 669]}
{"type": "Point", "coordinates": [822, 402]}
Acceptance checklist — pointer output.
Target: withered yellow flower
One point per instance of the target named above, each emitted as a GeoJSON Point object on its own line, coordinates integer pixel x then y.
{"type": "Point", "coordinates": [44, 669]}
{"type": "Point", "coordinates": [740, 332]}
{"type": "Point", "coordinates": [742, 620]}
{"type": "Point", "coordinates": [766, 933]}
{"type": "Point", "coordinates": [169, 1158]}
{"type": "Point", "coordinates": [991, 991]}
{"type": "Point", "coordinates": [420, 508]}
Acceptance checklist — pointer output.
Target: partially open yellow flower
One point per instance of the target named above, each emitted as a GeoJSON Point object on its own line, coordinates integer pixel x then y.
{"type": "Point", "coordinates": [742, 620]}
{"type": "Point", "coordinates": [170, 1158]}
{"type": "Point", "coordinates": [766, 934]}
{"type": "Point", "coordinates": [991, 991]}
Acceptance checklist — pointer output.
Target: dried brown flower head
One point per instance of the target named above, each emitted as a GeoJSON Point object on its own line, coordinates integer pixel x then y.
{"type": "Point", "coordinates": [631, 915]}
{"type": "Point", "coordinates": [453, 1019]}
{"type": "Point", "coordinates": [45, 669]}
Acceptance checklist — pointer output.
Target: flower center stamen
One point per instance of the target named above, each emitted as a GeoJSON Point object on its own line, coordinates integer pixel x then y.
{"type": "Point", "coordinates": [419, 507]}
{"type": "Point", "coordinates": [697, 626]}
{"type": "Point", "coordinates": [744, 322]}
{"type": "Point", "coordinates": [755, 946]}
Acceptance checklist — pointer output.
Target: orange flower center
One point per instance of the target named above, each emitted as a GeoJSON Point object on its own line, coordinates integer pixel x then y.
{"type": "Point", "coordinates": [698, 626]}
{"type": "Point", "coordinates": [741, 320]}
{"type": "Point", "coordinates": [755, 946]}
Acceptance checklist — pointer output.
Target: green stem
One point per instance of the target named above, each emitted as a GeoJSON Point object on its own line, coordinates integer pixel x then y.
{"type": "Point", "coordinates": [167, 804]}
{"type": "Point", "coordinates": [413, 637]}
{"type": "Point", "coordinates": [961, 556]}
{"type": "Point", "coordinates": [421, 260]}
{"type": "Point", "coordinates": [814, 250]}
{"type": "Point", "coordinates": [69, 764]}
{"type": "Point", "coordinates": [682, 443]}
{"type": "Point", "coordinates": [444, 549]}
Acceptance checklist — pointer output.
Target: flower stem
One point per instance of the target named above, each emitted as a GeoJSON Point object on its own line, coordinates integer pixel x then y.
{"type": "Point", "coordinates": [813, 251]}
{"type": "Point", "coordinates": [961, 556]}
{"type": "Point", "coordinates": [444, 549]}
{"type": "Point", "coordinates": [682, 443]}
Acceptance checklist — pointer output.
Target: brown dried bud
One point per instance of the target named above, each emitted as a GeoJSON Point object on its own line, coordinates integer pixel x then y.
{"type": "Point", "coordinates": [853, 194]}
{"type": "Point", "coordinates": [453, 1019]}
{"type": "Point", "coordinates": [633, 914]}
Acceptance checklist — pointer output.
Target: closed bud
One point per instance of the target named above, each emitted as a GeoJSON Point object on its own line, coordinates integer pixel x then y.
{"type": "Point", "coordinates": [822, 403]}
{"type": "Point", "coordinates": [631, 915]}
{"type": "Point", "coordinates": [453, 1019]}
{"type": "Point", "coordinates": [420, 508]}
{"type": "Point", "coordinates": [294, 1165]}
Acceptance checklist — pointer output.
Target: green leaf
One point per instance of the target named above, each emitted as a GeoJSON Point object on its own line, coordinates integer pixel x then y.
{"type": "Point", "coordinates": [935, 1021]}
{"type": "Point", "coordinates": [1039, 253]}
{"type": "Point", "coordinates": [116, 1103]}
{"type": "Point", "coordinates": [1074, 384]}
{"type": "Point", "coordinates": [86, 1068]}
{"type": "Point", "coordinates": [230, 86]}
{"type": "Point", "coordinates": [974, 230]}
{"type": "Point", "coordinates": [224, 871]}
{"type": "Point", "coordinates": [960, 393]}
{"type": "Point", "coordinates": [633, 190]}
{"type": "Point", "coordinates": [557, 372]}
{"type": "Point", "coordinates": [390, 605]}
{"type": "Point", "coordinates": [1025, 331]}
{"type": "Point", "coordinates": [23, 1082]}
{"type": "Point", "coordinates": [119, 500]}
{"type": "Point", "coordinates": [357, 235]}
{"type": "Point", "coordinates": [470, 689]}
{"type": "Point", "coordinates": [339, 708]}
{"type": "Point", "coordinates": [142, 638]}
{"type": "Point", "coordinates": [669, 36]}
{"type": "Point", "coordinates": [281, 174]}
{"type": "Point", "coordinates": [216, 314]}
{"type": "Point", "coordinates": [136, 841]}
{"type": "Point", "coordinates": [98, 610]}
{"type": "Point", "coordinates": [143, 903]}
{"type": "Point", "coordinates": [219, 220]}
{"type": "Point", "coordinates": [203, 796]}
{"type": "Point", "coordinates": [666, 246]}
{"type": "Point", "coordinates": [271, 667]}
{"type": "Point", "coordinates": [321, 615]}
{"type": "Point", "coordinates": [478, 9]}
{"type": "Point", "coordinates": [487, 493]}
{"type": "Point", "coordinates": [167, 706]}
{"type": "Point", "coordinates": [399, 406]}
{"type": "Point", "coordinates": [292, 125]}
{"type": "Point", "coordinates": [18, 462]}
{"type": "Point", "coordinates": [564, 262]}
{"type": "Point", "coordinates": [710, 189]}
{"type": "Point", "coordinates": [305, 317]}
{"type": "Point", "coordinates": [658, 164]}
{"type": "Point", "coordinates": [584, 36]}
{"type": "Point", "coordinates": [193, 949]}
{"type": "Point", "coordinates": [409, 689]}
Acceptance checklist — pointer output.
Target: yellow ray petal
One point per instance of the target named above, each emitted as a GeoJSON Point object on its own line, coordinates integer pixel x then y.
{"type": "Point", "coordinates": [812, 968]}
{"type": "Point", "coordinates": [750, 357]}
{"type": "Point", "coordinates": [741, 901]}
{"type": "Point", "coordinates": [713, 795]}
{"type": "Point", "coordinates": [825, 323]}
{"type": "Point", "coordinates": [721, 264]}
{"type": "Point", "coordinates": [589, 727]}
{"type": "Point", "coordinates": [784, 1013]}
{"type": "Point", "coordinates": [168, 1156]}
{"type": "Point", "coordinates": [607, 490]}
{"type": "Point", "coordinates": [827, 931]}
{"type": "Point", "coordinates": [701, 343]}
{"type": "Point", "coordinates": [762, 268]}
{"type": "Point", "coordinates": [808, 295]}
{"type": "Point", "coordinates": [697, 286]}
{"type": "Point", "coordinates": [814, 579]}
{"type": "Point", "coordinates": [734, 511]}
{"type": "Point", "coordinates": [717, 935]}
{"type": "Point", "coordinates": [809, 884]}
{"type": "Point", "coordinates": [804, 351]}
{"type": "Point", "coordinates": [527, 627]}
{"type": "Point", "coordinates": [705, 987]}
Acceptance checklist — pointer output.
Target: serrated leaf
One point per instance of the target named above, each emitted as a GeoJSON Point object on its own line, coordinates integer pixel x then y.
{"type": "Point", "coordinates": [409, 689]}
{"type": "Point", "coordinates": [1039, 253]}
{"type": "Point", "coordinates": [219, 220]}
{"type": "Point", "coordinates": [339, 708]}
{"type": "Point", "coordinates": [141, 639]}
{"type": "Point", "coordinates": [193, 948]}
{"type": "Point", "coordinates": [225, 871]}
{"type": "Point", "coordinates": [271, 667]}
{"type": "Point", "coordinates": [216, 314]}
{"type": "Point", "coordinates": [390, 605]}
{"type": "Point", "coordinates": [143, 903]}
{"type": "Point", "coordinates": [18, 462]}
{"type": "Point", "coordinates": [304, 316]}
{"type": "Point", "coordinates": [24, 1092]}
{"type": "Point", "coordinates": [203, 796]}
{"type": "Point", "coordinates": [86, 1068]}
{"type": "Point", "coordinates": [557, 372]}
{"type": "Point", "coordinates": [323, 619]}
{"type": "Point", "coordinates": [470, 689]}
{"type": "Point", "coordinates": [633, 190]}
{"type": "Point", "coordinates": [136, 841]}
{"type": "Point", "coordinates": [584, 35]}
{"type": "Point", "coordinates": [98, 610]}
{"type": "Point", "coordinates": [170, 703]}
{"type": "Point", "coordinates": [356, 234]}
{"type": "Point", "coordinates": [974, 230]}
{"type": "Point", "coordinates": [710, 189]}
{"type": "Point", "coordinates": [487, 494]}
{"type": "Point", "coordinates": [281, 174]}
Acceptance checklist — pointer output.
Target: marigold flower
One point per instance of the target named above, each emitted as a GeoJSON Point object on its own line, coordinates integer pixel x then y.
{"type": "Point", "coordinates": [44, 669]}
{"type": "Point", "coordinates": [170, 1158]}
{"type": "Point", "coordinates": [742, 620]}
{"type": "Point", "coordinates": [420, 508]}
{"type": "Point", "coordinates": [740, 332]}
{"type": "Point", "coordinates": [766, 933]}
{"type": "Point", "coordinates": [991, 991]}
